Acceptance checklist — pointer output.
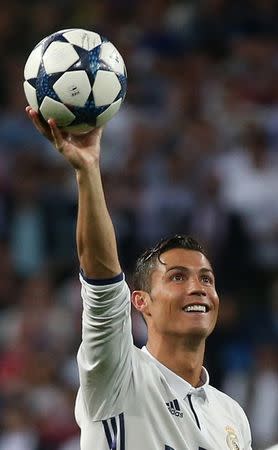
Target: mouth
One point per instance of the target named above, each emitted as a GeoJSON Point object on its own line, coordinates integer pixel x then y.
{"type": "Point", "coordinates": [196, 308]}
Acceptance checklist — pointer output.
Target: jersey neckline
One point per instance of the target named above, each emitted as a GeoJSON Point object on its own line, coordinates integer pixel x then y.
{"type": "Point", "coordinates": [178, 384]}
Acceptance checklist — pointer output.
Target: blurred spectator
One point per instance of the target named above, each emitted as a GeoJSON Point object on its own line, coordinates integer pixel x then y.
{"type": "Point", "coordinates": [27, 226]}
{"type": "Point", "coordinates": [264, 396]}
{"type": "Point", "coordinates": [18, 428]}
{"type": "Point", "coordinates": [249, 186]}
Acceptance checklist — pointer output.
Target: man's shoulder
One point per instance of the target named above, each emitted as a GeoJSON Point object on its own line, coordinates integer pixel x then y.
{"type": "Point", "coordinates": [144, 367]}
{"type": "Point", "coordinates": [222, 400]}
{"type": "Point", "coordinates": [142, 357]}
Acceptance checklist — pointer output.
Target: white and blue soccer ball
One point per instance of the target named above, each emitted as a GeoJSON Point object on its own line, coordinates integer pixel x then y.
{"type": "Point", "coordinates": [76, 77]}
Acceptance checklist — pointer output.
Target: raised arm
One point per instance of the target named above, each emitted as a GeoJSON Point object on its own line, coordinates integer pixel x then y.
{"type": "Point", "coordinates": [95, 236]}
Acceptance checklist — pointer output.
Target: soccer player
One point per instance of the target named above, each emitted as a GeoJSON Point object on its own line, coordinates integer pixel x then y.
{"type": "Point", "coordinates": [157, 398]}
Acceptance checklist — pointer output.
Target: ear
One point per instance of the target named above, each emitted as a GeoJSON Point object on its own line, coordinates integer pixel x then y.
{"type": "Point", "coordinates": [140, 301]}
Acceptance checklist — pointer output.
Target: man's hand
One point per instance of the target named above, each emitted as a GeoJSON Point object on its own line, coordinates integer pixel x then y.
{"type": "Point", "coordinates": [80, 150]}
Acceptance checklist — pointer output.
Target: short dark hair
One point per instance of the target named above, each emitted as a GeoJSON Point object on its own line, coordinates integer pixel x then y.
{"type": "Point", "coordinates": [147, 261]}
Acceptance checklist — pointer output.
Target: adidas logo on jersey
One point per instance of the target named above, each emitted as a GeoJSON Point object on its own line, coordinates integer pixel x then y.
{"type": "Point", "coordinates": [174, 408]}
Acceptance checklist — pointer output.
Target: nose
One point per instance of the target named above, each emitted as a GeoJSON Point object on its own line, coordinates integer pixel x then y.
{"type": "Point", "coordinates": [196, 288]}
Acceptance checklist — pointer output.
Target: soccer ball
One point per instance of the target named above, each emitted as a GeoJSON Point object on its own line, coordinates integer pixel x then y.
{"type": "Point", "coordinates": [76, 77]}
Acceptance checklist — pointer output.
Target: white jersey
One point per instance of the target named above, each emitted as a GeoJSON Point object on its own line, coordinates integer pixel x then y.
{"type": "Point", "coordinates": [129, 401]}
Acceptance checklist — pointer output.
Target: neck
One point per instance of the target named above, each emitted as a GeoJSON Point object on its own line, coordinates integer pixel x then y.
{"type": "Point", "coordinates": [184, 359]}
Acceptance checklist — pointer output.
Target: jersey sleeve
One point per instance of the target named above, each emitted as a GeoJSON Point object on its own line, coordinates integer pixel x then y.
{"type": "Point", "coordinates": [104, 356]}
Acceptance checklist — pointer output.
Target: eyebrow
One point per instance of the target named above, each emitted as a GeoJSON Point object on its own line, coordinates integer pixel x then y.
{"type": "Point", "coordinates": [186, 269]}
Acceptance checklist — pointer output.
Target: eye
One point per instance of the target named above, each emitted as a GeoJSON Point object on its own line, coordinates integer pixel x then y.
{"type": "Point", "coordinates": [207, 279]}
{"type": "Point", "coordinates": [177, 276]}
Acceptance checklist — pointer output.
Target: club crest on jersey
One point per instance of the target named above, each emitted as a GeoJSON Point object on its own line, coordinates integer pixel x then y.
{"type": "Point", "coordinates": [232, 439]}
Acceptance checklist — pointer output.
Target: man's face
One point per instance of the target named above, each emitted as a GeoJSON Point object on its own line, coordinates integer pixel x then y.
{"type": "Point", "coordinates": [183, 300]}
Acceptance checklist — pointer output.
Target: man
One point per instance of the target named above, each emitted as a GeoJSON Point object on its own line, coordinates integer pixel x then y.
{"type": "Point", "coordinates": [157, 398]}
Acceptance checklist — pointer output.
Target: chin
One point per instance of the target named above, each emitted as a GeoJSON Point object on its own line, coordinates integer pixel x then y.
{"type": "Point", "coordinates": [197, 333]}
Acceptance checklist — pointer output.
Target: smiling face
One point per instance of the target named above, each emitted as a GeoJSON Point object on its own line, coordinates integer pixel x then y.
{"type": "Point", "coordinates": [182, 301]}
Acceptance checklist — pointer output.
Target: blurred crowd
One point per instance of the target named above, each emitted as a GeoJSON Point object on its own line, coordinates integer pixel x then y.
{"type": "Point", "coordinates": [194, 149]}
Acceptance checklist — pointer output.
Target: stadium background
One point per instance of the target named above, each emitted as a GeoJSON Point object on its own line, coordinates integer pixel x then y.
{"type": "Point", "coordinates": [194, 149]}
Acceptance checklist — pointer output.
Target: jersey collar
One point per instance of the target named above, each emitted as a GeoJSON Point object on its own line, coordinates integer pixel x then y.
{"type": "Point", "coordinates": [178, 384]}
